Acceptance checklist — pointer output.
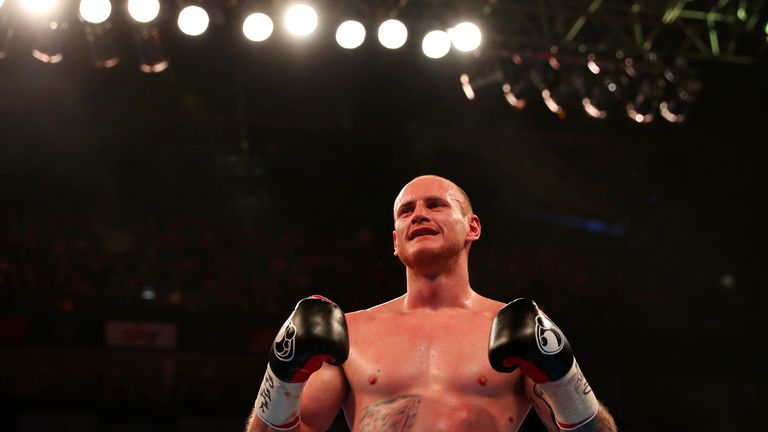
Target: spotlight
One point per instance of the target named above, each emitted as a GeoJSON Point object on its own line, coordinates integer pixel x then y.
{"type": "Point", "coordinates": [193, 20]}
{"type": "Point", "coordinates": [645, 89]}
{"type": "Point", "coordinates": [49, 47]}
{"type": "Point", "coordinates": [676, 108]}
{"type": "Point", "coordinates": [517, 86]}
{"type": "Point", "coordinates": [40, 7]}
{"type": "Point", "coordinates": [95, 16]}
{"type": "Point", "coordinates": [258, 27]}
{"type": "Point", "coordinates": [682, 90]}
{"type": "Point", "coordinates": [469, 92]}
{"type": "Point", "coordinates": [392, 34]}
{"type": "Point", "coordinates": [143, 11]}
{"type": "Point", "coordinates": [599, 86]}
{"type": "Point", "coordinates": [436, 44]}
{"type": "Point", "coordinates": [350, 34]}
{"type": "Point", "coordinates": [95, 11]}
{"type": "Point", "coordinates": [471, 85]}
{"type": "Point", "coordinates": [6, 29]}
{"type": "Point", "coordinates": [642, 106]}
{"type": "Point", "coordinates": [301, 20]}
{"type": "Point", "coordinates": [465, 36]}
{"type": "Point", "coordinates": [554, 84]}
{"type": "Point", "coordinates": [151, 56]}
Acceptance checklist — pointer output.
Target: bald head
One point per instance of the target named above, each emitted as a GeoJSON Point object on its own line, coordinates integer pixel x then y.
{"type": "Point", "coordinates": [439, 184]}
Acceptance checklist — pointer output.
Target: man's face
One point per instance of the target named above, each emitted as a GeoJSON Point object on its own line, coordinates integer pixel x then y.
{"type": "Point", "coordinates": [431, 222]}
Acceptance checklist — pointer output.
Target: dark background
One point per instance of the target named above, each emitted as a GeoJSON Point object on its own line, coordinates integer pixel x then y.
{"type": "Point", "coordinates": [245, 177]}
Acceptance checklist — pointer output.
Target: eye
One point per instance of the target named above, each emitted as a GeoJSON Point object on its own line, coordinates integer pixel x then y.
{"type": "Point", "coordinates": [404, 211]}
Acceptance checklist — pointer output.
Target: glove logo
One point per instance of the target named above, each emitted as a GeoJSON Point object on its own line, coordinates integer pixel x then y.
{"type": "Point", "coordinates": [285, 345]}
{"type": "Point", "coordinates": [549, 338]}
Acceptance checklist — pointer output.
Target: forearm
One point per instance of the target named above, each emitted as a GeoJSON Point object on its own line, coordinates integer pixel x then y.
{"type": "Point", "coordinates": [256, 424]}
{"type": "Point", "coordinates": [603, 422]}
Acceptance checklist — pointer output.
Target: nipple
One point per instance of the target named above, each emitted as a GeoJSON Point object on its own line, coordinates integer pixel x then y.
{"type": "Point", "coordinates": [482, 380]}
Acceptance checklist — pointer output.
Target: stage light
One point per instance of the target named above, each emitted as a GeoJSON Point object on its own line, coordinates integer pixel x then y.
{"type": "Point", "coordinates": [151, 56]}
{"type": "Point", "coordinates": [601, 96]}
{"type": "Point", "coordinates": [471, 85]}
{"type": "Point", "coordinates": [49, 46]}
{"type": "Point", "coordinates": [599, 86]}
{"type": "Point", "coordinates": [39, 7]}
{"type": "Point", "coordinates": [95, 11]}
{"type": "Point", "coordinates": [95, 15]}
{"type": "Point", "coordinates": [258, 27]}
{"type": "Point", "coordinates": [593, 109]}
{"type": "Point", "coordinates": [467, 87]}
{"type": "Point", "coordinates": [301, 20]}
{"type": "Point", "coordinates": [143, 11]}
{"type": "Point", "coordinates": [100, 45]}
{"type": "Point", "coordinates": [552, 103]}
{"type": "Point", "coordinates": [682, 89]}
{"type": "Point", "coordinates": [555, 84]}
{"type": "Point", "coordinates": [392, 34]}
{"type": "Point", "coordinates": [6, 30]}
{"type": "Point", "coordinates": [350, 34]}
{"type": "Point", "coordinates": [517, 86]}
{"type": "Point", "coordinates": [436, 44]}
{"type": "Point", "coordinates": [193, 20]}
{"type": "Point", "coordinates": [510, 96]}
{"type": "Point", "coordinates": [641, 108]}
{"type": "Point", "coordinates": [465, 36]}
{"type": "Point", "coordinates": [592, 64]}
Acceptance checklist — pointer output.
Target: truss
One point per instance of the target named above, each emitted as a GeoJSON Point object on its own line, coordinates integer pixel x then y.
{"type": "Point", "coordinates": [729, 31]}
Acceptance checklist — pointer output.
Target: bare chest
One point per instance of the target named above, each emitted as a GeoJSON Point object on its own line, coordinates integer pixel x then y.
{"type": "Point", "coordinates": [424, 354]}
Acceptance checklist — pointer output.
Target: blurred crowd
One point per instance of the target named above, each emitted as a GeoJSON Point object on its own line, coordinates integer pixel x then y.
{"type": "Point", "coordinates": [70, 263]}
{"type": "Point", "coordinates": [229, 282]}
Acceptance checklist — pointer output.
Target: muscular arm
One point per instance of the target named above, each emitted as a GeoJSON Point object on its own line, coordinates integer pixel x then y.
{"type": "Point", "coordinates": [321, 400]}
{"type": "Point", "coordinates": [603, 421]}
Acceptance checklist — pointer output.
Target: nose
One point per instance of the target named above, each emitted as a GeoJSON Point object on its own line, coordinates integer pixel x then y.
{"type": "Point", "coordinates": [419, 214]}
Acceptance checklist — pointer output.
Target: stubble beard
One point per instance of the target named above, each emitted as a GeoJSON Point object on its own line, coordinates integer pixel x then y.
{"type": "Point", "coordinates": [431, 258]}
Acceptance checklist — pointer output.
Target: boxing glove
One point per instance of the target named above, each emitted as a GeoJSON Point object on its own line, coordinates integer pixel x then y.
{"type": "Point", "coordinates": [523, 336]}
{"type": "Point", "coordinates": [316, 332]}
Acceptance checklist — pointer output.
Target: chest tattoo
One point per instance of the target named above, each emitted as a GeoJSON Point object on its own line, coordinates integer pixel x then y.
{"type": "Point", "coordinates": [391, 415]}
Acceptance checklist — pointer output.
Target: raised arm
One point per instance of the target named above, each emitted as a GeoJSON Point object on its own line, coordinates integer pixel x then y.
{"type": "Point", "coordinates": [601, 422]}
{"type": "Point", "coordinates": [315, 333]}
{"type": "Point", "coordinates": [321, 401]}
{"type": "Point", "coordinates": [522, 336]}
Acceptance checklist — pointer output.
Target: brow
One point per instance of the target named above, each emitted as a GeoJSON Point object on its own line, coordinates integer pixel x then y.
{"type": "Point", "coordinates": [426, 198]}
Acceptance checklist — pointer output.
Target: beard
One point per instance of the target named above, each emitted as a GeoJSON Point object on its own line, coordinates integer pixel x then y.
{"type": "Point", "coordinates": [427, 256]}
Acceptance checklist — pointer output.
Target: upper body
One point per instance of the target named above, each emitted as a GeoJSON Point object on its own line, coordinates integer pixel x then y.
{"type": "Point", "coordinates": [420, 362]}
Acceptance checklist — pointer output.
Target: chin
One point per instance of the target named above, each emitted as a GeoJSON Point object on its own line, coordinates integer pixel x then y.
{"type": "Point", "coordinates": [426, 256]}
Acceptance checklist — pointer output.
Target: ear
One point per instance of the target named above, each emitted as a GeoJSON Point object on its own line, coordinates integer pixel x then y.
{"type": "Point", "coordinates": [474, 228]}
{"type": "Point", "coordinates": [394, 241]}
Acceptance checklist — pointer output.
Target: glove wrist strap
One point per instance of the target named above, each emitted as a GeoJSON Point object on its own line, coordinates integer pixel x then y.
{"type": "Point", "coordinates": [278, 402]}
{"type": "Point", "coordinates": [571, 398]}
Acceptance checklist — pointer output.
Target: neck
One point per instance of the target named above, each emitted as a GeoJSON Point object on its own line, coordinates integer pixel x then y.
{"type": "Point", "coordinates": [443, 287]}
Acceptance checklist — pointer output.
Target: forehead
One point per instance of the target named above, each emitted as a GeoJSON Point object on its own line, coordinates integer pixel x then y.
{"type": "Point", "coordinates": [427, 187]}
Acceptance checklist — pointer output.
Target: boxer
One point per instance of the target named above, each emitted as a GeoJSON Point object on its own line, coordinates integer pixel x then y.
{"type": "Point", "coordinates": [441, 357]}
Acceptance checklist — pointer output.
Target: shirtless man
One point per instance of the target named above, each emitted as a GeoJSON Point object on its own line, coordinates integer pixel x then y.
{"type": "Point", "coordinates": [423, 362]}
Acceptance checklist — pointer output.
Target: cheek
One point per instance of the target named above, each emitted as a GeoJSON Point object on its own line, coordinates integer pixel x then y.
{"type": "Point", "coordinates": [399, 233]}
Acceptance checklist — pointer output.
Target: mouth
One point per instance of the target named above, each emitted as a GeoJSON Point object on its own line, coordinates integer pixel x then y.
{"type": "Point", "coordinates": [420, 232]}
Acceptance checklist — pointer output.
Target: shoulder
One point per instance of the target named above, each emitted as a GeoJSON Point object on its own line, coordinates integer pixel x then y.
{"type": "Point", "coordinates": [375, 313]}
{"type": "Point", "coordinates": [488, 306]}
{"type": "Point", "coordinates": [386, 308]}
